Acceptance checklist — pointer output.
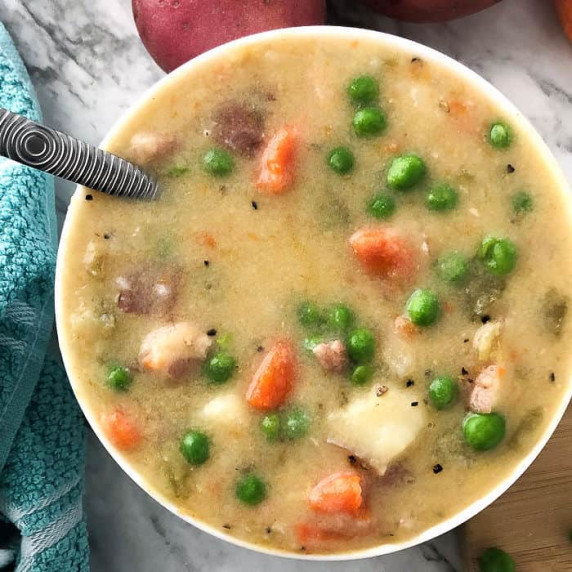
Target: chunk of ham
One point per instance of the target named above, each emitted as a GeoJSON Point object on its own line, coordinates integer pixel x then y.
{"type": "Point", "coordinates": [485, 391]}
{"type": "Point", "coordinates": [238, 127]}
{"type": "Point", "coordinates": [148, 291]}
{"type": "Point", "coordinates": [172, 350]}
{"type": "Point", "coordinates": [332, 356]}
{"type": "Point", "coordinates": [147, 148]}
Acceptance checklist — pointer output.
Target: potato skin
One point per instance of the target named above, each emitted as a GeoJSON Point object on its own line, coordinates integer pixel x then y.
{"type": "Point", "coordinates": [428, 10]}
{"type": "Point", "coordinates": [564, 10]}
{"type": "Point", "coordinates": [174, 31]}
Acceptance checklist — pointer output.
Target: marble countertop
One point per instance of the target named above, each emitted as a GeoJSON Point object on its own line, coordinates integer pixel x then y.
{"type": "Point", "coordinates": [88, 66]}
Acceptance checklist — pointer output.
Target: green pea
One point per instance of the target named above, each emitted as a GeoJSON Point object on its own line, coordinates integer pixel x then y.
{"type": "Point", "coordinates": [341, 160]}
{"type": "Point", "coordinates": [381, 206]}
{"type": "Point", "coordinates": [361, 345]}
{"type": "Point", "coordinates": [311, 342]}
{"type": "Point", "coordinates": [369, 121]}
{"type": "Point", "coordinates": [270, 426]}
{"type": "Point", "coordinates": [453, 267]}
{"type": "Point", "coordinates": [423, 307]}
{"type": "Point", "coordinates": [310, 315]}
{"type": "Point", "coordinates": [363, 90]}
{"type": "Point", "coordinates": [500, 135]}
{"type": "Point", "coordinates": [496, 560]}
{"type": "Point", "coordinates": [361, 375]}
{"type": "Point", "coordinates": [218, 162]}
{"type": "Point", "coordinates": [441, 197]}
{"type": "Point", "coordinates": [340, 318]}
{"type": "Point", "coordinates": [498, 255]}
{"type": "Point", "coordinates": [522, 202]}
{"type": "Point", "coordinates": [443, 392]}
{"type": "Point", "coordinates": [250, 489]}
{"type": "Point", "coordinates": [296, 424]}
{"type": "Point", "coordinates": [220, 367]}
{"type": "Point", "coordinates": [195, 447]}
{"type": "Point", "coordinates": [484, 431]}
{"type": "Point", "coordinates": [119, 378]}
{"type": "Point", "coordinates": [405, 172]}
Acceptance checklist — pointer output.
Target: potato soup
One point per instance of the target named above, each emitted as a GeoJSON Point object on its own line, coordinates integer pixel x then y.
{"type": "Point", "coordinates": [345, 318]}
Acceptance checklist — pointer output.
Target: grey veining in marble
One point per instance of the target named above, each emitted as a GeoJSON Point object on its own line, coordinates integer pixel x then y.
{"type": "Point", "coordinates": [89, 66]}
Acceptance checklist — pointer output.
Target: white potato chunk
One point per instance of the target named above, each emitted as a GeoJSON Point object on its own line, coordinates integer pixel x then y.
{"type": "Point", "coordinates": [171, 350]}
{"type": "Point", "coordinates": [378, 429]}
{"type": "Point", "coordinates": [486, 340]}
{"type": "Point", "coordinates": [228, 410]}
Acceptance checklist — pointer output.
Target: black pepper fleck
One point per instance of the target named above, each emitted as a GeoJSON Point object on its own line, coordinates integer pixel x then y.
{"type": "Point", "coordinates": [510, 169]}
{"type": "Point", "coordinates": [211, 332]}
{"type": "Point", "coordinates": [437, 468]}
{"type": "Point", "coordinates": [303, 548]}
{"type": "Point", "coordinates": [260, 349]}
{"type": "Point", "coordinates": [552, 376]}
{"type": "Point", "coordinates": [268, 530]}
{"type": "Point", "coordinates": [486, 318]}
{"type": "Point", "coordinates": [415, 60]}
{"type": "Point", "coordinates": [464, 371]}
{"type": "Point", "coordinates": [222, 188]}
{"type": "Point", "coordinates": [409, 383]}
{"type": "Point", "coordinates": [352, 459]}
{"type": "Point", "coordinates": [227, 526]}
{"type": "Point", "coordinates": [89, 197]}
{"type": "Point", "coordinates": [414, 403]}
{"type": "Point", "coordinates": [427, 373]}
{"type": "Point", "coordinates": [466, 341]}
{"type": "Point", "coordinates": [106, 236]}
{"type": "Point", "coordinates": [254, 205]}
{"type": "Point", "coordinates": [206, 262]}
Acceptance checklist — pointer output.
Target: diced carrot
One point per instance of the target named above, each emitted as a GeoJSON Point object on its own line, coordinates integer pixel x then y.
{"type": "Point", "coordinates": [383, 252]}
{"type": "Point", "coordinates": [501, 371]}
{"type": "Point", "coordinates": [564, 10]}
{"type": "Point", "coordinates": [338, 493]}
{"type": "Point", "coordinates": [405, 327]}
{"type": "Point", "coordinates": [309, 534]}
{"type": "Point", "coordinates": [277, 165]}
{"type": "Point", "coordinates": [274, 378]}
{"type": "Point", "coordinates": [121, 429]}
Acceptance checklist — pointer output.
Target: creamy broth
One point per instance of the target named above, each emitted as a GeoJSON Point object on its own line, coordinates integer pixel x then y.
{"type": "Point", "coordinates": [236, 262]}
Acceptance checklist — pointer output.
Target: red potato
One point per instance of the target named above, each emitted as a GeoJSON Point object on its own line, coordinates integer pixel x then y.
{"type": "Point", "coordinates": [564, 10]}
{"type": "Point", "coordinates": [175, 31]}
{"type": "Point", "coordinates": [429, 10]}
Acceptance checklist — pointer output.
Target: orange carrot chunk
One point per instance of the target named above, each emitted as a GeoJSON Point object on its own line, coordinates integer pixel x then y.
{"type": "Point", "coordinates": [338, 493]}
{"type": "Point", "coordinates": [383, 252]}
{"type": "Point", "coordinates": [309, 534]}
{"type": "Point", "coordinates": [121, 430]}
{"type": "Point", "coordinates": [274, 378]}
{"type": "Point", "coordinates": [277, 168]}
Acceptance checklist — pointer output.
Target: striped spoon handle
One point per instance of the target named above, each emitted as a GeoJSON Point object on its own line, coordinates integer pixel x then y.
{"type": "Point", "coordinates": [59, 154]}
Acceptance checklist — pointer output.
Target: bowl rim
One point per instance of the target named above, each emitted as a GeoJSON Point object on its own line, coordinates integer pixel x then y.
{"type": "Point", "coordinates": [315, 32]}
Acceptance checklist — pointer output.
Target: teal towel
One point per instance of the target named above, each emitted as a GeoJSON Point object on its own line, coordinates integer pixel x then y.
{"type": "Point", "coordinates": [42, 440]}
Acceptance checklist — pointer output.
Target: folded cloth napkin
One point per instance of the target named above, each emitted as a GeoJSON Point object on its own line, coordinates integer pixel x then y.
{"type": "Point", "coordinates": [41, 429]}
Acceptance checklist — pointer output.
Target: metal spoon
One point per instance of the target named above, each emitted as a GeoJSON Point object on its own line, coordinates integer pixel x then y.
{"type": "Point", "coordinates": [47, 150]}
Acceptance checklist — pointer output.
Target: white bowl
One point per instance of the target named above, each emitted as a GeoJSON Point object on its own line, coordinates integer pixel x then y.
{"type": "Point", "coordinates": [316, 32]}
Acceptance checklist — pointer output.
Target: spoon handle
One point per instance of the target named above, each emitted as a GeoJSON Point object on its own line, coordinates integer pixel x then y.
{"type": "Point", "coordinates": [47, 150]}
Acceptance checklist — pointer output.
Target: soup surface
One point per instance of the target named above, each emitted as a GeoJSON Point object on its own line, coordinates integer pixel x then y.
{"type": "Point", "coordinates": [345, 318]}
